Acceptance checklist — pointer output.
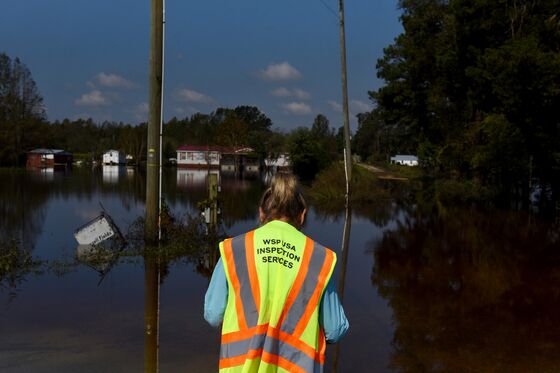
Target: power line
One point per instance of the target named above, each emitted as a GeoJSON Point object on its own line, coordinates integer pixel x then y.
{"type": "Point", "coordinates": [333, 12]}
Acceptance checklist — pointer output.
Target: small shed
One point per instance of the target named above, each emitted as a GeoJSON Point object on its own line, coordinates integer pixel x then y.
{"type": "Point", "coordinates": [114, 157]}
{"type": "Point", "coordinates": [49, 158]}
{"type": "Point", "coordinates": [406, 160]}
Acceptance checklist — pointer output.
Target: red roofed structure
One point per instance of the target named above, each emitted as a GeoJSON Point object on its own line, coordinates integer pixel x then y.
{"type": "Point", "coordinates": [201, 156]}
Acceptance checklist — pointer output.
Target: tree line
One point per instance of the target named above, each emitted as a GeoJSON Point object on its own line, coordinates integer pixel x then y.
{"type": "Point", "coordinates": [24, 126]}
{"type": "Point", "coordinates": [473, 88]}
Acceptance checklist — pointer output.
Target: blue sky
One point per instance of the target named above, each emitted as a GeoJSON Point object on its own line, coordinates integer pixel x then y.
{"type": "Point", "coordinates": [90, 58]}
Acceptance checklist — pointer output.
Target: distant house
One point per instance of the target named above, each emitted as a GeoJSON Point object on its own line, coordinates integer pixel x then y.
{"type": "Point", "coordinates": [406, 160]}
{"type": "Point", "coordinates": [194, 156]}
{"type": "Point", "coordinates": [48, 158]}
{"type": "Point", "coordinates": [114, 157]}
{"type": "Point", "coordinates": [238, 158]}
{"type": "Point", "coordinates": [225, 158]}
{"type": "Point", "coordinates": [281, 162]}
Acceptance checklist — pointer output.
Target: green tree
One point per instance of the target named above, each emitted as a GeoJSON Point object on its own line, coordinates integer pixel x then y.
{"type": "Point", "coordinates": [21, 110]}
{"type": "Point", "coordinates": [458, 66]}
{"type": "Point", "coordinates": [307, 156]}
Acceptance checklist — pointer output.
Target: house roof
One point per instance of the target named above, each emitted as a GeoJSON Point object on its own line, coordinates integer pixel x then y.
{"type": "Point", "coordinates": [48, 151]}
{"type": "Point", "coordinates": [400, 157]}
{"type": "Point", "coordinates": [199, 148]}
{"type": "Point", "coordinates": [219, 149]}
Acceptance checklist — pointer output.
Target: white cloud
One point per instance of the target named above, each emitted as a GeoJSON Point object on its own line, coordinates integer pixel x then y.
{"type": "Point", "coordinates": [301, 94]}
{"type": "Point", "coordinates": [93, 98]}
{"type": "Point", "coordinates": [113, 81]}
{"type": "Point", "coordinates": [285, 92]}
{"type": "Point", "coordinates": [188, 95]}
{"type": "Point", "coordinates": [335, 106]}
{"type": "Point", "coordinates": [141, 111]}
{"type": "Point", "coordinates": [280, 72]}
{"type": "Point", "coordinates": [281, 92]}
{"type": "Point", "coordinates": [186, 111]}
{"type": "Point", "coordinates": [297, 108]}
{"type": "Point", "coordinates": [360, 106]}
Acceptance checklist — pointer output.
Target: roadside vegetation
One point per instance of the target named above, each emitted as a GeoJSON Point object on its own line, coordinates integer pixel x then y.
{"type": "Point", "coordinates": [472, 88]}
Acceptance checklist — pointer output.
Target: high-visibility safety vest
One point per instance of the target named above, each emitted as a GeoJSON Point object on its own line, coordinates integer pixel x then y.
{"type": "Point", "coordinates": [276, 277]}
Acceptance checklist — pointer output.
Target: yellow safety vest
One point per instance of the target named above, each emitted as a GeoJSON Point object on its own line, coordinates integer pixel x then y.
{"type": "Point", "coordinates": [276, 277]}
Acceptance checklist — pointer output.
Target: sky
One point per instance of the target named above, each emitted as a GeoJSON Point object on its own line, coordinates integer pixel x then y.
{"type": "Point", "coordinates": [90, 59]}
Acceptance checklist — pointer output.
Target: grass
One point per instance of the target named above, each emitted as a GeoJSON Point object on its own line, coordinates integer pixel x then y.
{"type": "Point", "coordinates": [329, 187]}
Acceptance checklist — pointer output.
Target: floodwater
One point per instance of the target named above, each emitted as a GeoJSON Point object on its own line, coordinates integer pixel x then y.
{"type": "Point", "coordinates": [427, 288]}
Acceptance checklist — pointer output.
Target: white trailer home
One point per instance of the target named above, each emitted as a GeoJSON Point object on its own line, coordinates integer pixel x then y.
{"type": "Point", "coordinates": [114, 157]}
{"type": "Point", "coordinates": [406, 160]}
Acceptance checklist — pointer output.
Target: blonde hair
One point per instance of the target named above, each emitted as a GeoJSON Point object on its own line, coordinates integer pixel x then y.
{"type": "Point", "coordinates": [283, 200]}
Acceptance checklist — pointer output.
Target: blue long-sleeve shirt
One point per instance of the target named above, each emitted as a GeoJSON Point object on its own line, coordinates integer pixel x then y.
{"type": "Point", "coordinates": [331, 314]}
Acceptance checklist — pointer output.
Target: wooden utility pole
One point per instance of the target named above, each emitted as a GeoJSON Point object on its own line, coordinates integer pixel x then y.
{"type": "Point", "coordinates": [347, 151]}
{"type": "Point", "coordinates": [154, 120]}
{"type": "Point", "coordinates": [346, 120]}
{"type": "Point", "coordinates": [347, 169]}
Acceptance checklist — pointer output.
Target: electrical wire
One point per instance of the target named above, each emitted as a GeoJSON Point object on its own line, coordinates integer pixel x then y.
{"type": "Point", "coordinates": [333, 12]}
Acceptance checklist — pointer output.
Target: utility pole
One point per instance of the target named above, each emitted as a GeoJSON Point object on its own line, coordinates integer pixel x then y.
{"type": "Point", "coordinates": [347, 169]}
{"type": "Point", "coordinates": [346, 120]}
{"type": "Point", "coordinates": [347, 151]}
{"type": "Point", "coordinates": [154, 121]}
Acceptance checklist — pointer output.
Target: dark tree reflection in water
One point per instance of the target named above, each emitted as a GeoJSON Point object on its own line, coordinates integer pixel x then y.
{"type": "Point", "coordinates": [471, 291]}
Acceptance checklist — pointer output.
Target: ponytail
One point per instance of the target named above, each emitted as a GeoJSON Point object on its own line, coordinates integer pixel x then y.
{"type": "Point", "coordinates": [283, 200]}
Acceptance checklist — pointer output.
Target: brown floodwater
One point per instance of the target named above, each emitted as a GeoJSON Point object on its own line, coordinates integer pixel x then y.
{"type": "Point", "coordinates": [427, 288]}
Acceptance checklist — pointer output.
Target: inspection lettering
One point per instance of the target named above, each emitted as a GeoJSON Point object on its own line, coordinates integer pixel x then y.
{"type": "Point", "coordinates": [278, 251]}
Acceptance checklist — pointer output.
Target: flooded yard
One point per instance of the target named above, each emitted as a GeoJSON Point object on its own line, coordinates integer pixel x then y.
{"type": "Point", "coordinates": [427, 288]}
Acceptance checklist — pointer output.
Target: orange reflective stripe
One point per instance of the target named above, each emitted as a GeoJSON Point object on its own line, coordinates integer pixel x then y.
{"type": "Point", "coordinates": [314, 301]}
{"type": "Point", "coordinates": [235, 283]}
{"type": "Point", "coordinates": [296, 343]}
{"type": "Point", "coordinates": [296, 287]}
{"type": "Point", "coordinates": [243, 334]}
{"type": "Point", "coordinates": [276, 334]}
{"type": "Point", "coordinates": [239, 360]}
{"type": "Point", "coordinates": [281, 362]}
{"type": "Point", "coordinates": [322, 345]}
{"type": "Point", "coordinates": [265, 356]}
{"type": "Point", "coordinates": [252, 269]}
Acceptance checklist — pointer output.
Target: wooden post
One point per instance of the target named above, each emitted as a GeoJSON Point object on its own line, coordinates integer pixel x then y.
{"type": "Point", "coordinates": [154, 119]}
{"type": "Point", "coordinates": [213, 198]}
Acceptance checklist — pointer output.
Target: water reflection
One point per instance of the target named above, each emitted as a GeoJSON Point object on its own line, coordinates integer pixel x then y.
{"type": "Point", "coordinates": [111, 173]}
{"type": "Point", "coordinates": [456, 290]}
{"type": "Point", "coordinates": [189, 178]}
{"type": "Point", "coordinates": [22, 207]}
{"type": "Point", "coordinates": [343, 267]}
{"type": "Point", "coordinates": [151, 313]}
{"type": "Point", "coordinates": [471, 292]}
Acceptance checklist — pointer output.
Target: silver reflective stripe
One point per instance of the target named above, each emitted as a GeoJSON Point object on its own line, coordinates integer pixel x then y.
{"type": "Point", "coordinates": [310, 282]}
{"type": "Point", "coordinates": [233, 349]}
{"type": "Point", "coordinates": [272, 346]}
{"type": "Point", "coordinates": [280, 348]}
{"type": "Point", "coordinates": [247, 299]}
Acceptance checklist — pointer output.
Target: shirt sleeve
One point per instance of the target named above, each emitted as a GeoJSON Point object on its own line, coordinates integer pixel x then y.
{"type": "Point", "coordinates": [215, 300]}
{"type": "Point", "coordinates": [331, 315]}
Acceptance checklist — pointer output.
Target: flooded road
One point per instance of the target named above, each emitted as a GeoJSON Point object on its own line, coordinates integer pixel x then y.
{"type": "Point", "coordinates": [427, 288]}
